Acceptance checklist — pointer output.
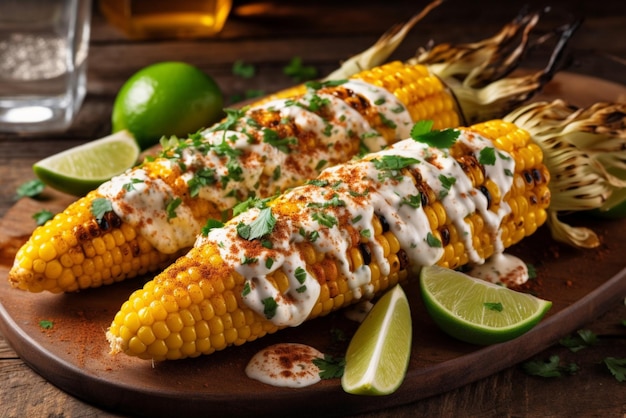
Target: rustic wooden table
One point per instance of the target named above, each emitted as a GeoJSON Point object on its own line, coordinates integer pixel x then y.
{"type": "Point", "coordinates": [268, 34]}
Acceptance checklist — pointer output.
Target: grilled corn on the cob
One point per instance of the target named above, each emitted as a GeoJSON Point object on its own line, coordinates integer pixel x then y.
{"type": "Point", "coordinates": [142, 220]}
{"type": "Point", "coordinates": [357, 229]}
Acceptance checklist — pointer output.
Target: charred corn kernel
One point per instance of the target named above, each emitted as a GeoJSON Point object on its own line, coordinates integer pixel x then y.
{"type": "Point", "coordinates": [340, 265]}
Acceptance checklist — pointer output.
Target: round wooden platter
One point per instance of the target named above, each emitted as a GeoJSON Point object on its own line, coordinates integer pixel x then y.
{"type": "Point", "coordinates": [73, 354]}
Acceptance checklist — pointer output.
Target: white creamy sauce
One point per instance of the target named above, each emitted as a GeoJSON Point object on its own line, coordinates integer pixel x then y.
{"type": "Point", "coordinates": [355, 193]}
{"type": "Point", "coordinates": [504, 269]}
{"type": "Point", "coordinates": [144, 205]}
{"type": "Point", "coordinates": [286, 365]}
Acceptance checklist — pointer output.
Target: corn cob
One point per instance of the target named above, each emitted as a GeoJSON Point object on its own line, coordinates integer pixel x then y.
{"type": "Point", "coordinates": [356, 230]}
{"type": "Point", "coordinates": [255, 153]}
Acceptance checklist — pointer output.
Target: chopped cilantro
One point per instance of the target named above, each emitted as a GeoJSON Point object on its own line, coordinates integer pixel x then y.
{"type": "Point", "coordinates": [210, 224]}
{"type": "Point", "coordinates": [201, 178]}
{"type": "Point", "coordinates": [321, 165]}
{"type": "Point", "coordinates": [379, 102]}
{"type": "Point", "coordinates": [316, 103]}
{"type": "Point", "coordinates": [243, 70]}
{"type": "Point", "coordinates": [366, 233]}
{"type": "Point", "coordinates": [433, 241]}
{"type": "Point", "coordinates": [532, 272]}
{"type": "Point", "coordinates": [100, 206]}
{"type": "Point", "coordinates": [261, 226]}
{"type": "Point", "coordinates": [356, 219]}
{"type": "Point", "coordinates": [317, 182]}
{"type": "Point", "coordinates": [131, 184]}
{"type": "Point", "coordinates": [42, 216]}
{"type": "Point", "coordinates": [46, 324]}
{"type": "Point", "coordinates": [269, 307]}
{"type": "Point", "coordinates": [269, 262]}
{"type": "Point", "coordinates": [422, 132]}
{"type": "Point", "coordinates": [330, 367]}
{"type": "Point", "coordinates": [301, 289]}
{"type": "Point", "coordinates": [232, 117]}
{"type": "Point", "coordinates": [298, 71]}
{"type": "Point", "coordinates": [246, 289]}
{"type": "Point", "coordinates": [617, 367]}
{"type": "Point", "coordinates": [276, 173]}
{"type": "Point", "coordinates": [393, 162]}
{"type": "Point", "coordinates": [446, 183]}
{"type": "Point", "coordinates": [582, 339]}
{"type": "Point", "coordinates": [414, 200]}
{"type": "Point", "coordinates": [248, 260]}
{"type": "Point", "coordinates": [550, 368]}
{"type": "Point", "coordinates": [31, 188]}
{"type": "Point", "coordinates": [300, 275]}
{"type": "Point", "coordinates": [171, 206]}
{"type": "Point", "coordinates": [387, 122]}
{"type": "Point", "coordinates": [325, 219]}
{"type": "Point", "coordinates": [487, 156]}
{"type": "Point", "coordinates": [493, 306]}
{"type": "Point", "coordinates": [271, 137]}
{"type": "Point", "coordinates": [508, 172]}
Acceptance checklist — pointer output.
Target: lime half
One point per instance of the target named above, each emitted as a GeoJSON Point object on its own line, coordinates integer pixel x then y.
{"type": "Point", "coordinates": [81, 169]}
{"type": "Point", "coordinates": [164, 99]}
{"type": "Point", "coordinates": [378, 354]}
{"type": "Point", "coordinates": [477, 311]}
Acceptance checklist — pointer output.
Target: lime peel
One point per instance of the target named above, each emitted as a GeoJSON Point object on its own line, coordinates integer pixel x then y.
{"type": "Point", "coordinates": [83, 168]}
{"type": "Point", "coordinates": [378, 354]}
{"type": "Point", "coordinates": [464, 307]}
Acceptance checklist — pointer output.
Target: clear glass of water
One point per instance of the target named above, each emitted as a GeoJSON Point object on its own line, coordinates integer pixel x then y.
{"type": "Point", "coordinates": [43, 63]}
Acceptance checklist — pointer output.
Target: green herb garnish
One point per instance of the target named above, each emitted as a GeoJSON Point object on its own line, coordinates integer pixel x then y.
{"type": "Point", "coordinates": [298, 71]}
{"type": "Point", "coordinates": [31, 188]}
{"type": "Point", "coordinates": [243, 70]}
{"type": "Point", "coordinates": [261, 226]}
{"type": "Point", "coordinates": [211, 224]}
{"type": "Point", "coordinates": [550, 368]}
{"type": "Point", "coordinates": [617, 367]}
{"type": "Point", "coordinates": [42, 216]}
{"type": "Point", "coordinates": [422, 132]}
{"type": "Point", "coordinates": [100, 206]}
{"type": "Point", "coordinates": [269, 307]}
{"type": "Point", "coordinates": [330, 367]}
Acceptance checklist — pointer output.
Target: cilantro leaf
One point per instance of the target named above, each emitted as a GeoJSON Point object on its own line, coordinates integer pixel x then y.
{"type": "Point", "coordinates": [99, 207]}
{"type": "Point", "coordinates": [171, 206]}
{"type": "Point", "coordinates": [433, 241]}
{"type": "Point", "coordinates": [46, 324]}
{"type": "Point", "coordinates": [413, 200]}
{"type": "Point", "coordinates": [243, 70]}
{"type": "Point", "coordinates": [271, 137]}
{"type": "Point", "coordinates": [42, 216]}
{"type": "Point", "coordinates": [201, 178]}
{"type": "Point", "coordinates": [617, 367]}
{"type": "Point", "coordinates": [211, 224]}
{"type": "Point", "coordinates": [269, 307]}
{"type": "Point", "coordinates": [487, 156]}
{"type": "Point", "coordinates": [583, 339]}
{"type": "Point", "coordinates": [325, 219]}
{"type": "Point", "coordinates": [421, 127]}
{"type": "Point", "coordinates": [300, 275]}
{"type": "Point", "coordinates": [330, 367]}
{"type": "Point", "coordinates": [30, 188]}
{"type": "Point", "coordinates": [261, 226]}
{"type": "Point", "coordinates": [393, 162]}
{"type": "Point", "coordinates": [549, 368]}
{"type": "Point", "coordinates": [421, 132]}
{"type": "Point", "coordinates": [298, 71]}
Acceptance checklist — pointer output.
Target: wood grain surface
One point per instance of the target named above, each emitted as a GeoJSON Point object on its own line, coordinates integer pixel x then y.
{"type": "Point", "coordinates": [323, 33]}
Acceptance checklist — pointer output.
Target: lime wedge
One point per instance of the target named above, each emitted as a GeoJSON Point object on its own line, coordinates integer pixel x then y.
{"type": "Point", "coordinates": [477, 311]}
{"type": "Point", "coordinates": [81, 169]}
{"type": "Point", "coordinates": [378, 354]}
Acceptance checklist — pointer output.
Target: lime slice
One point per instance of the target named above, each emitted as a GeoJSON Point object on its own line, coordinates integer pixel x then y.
{"type": "Point", "coordinates": [81, 169]}
{"type": "Point", "coordinates": [378, 354]}
{"type": "Point", "coordinates": [477, 311]}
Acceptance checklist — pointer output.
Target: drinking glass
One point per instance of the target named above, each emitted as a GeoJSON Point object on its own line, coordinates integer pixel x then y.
{"type": "Point", "coordinates": [43, 63]}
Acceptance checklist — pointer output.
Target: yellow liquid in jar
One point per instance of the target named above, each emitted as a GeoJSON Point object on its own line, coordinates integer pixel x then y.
{"type": "Point", "coordinates": [146, 19]}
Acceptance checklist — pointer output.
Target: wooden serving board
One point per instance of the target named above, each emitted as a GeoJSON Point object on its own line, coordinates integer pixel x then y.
{"type": "Point", "coordinates": [73, 354]}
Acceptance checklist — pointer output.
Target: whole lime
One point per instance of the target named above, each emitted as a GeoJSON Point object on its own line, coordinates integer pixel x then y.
{"type": "Point", "coordinates": [166, 98]}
